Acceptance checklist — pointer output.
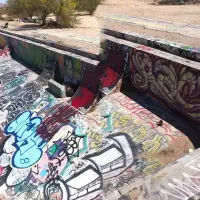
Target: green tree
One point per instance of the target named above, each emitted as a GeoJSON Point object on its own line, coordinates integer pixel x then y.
{"type": "Point", "coordinates": [22, 8]}
{"type": "Point", "coordinates": [45, 7]}
{"type": "Point", "coordinates": [65, 12]}
{"type": "Point", "coordinates": [88, 5]}
{"type": "Point", "coordinates": [63, 9]}
{"type": "Point", "coordinates": [15, 8]}
{"type": "Point", "coordinates": [30, 6]}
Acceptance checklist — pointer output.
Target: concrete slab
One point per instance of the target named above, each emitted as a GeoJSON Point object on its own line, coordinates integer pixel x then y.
{"type": "Point", "coordinates": [117, 144]}
{"type": "Point", "coordinates": [179, 180]}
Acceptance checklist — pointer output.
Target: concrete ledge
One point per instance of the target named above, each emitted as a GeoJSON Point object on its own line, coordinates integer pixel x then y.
{"type": "Point", "coordinates": [53, 44]}
{"type": "Point", "coordinates": [69, 66]}
{"type": "Point", "coordinates": [169, 182]}
{"type": "Point", "coordinates": [84, 59]}
{"type": "Point", "coordinates": [112, 41]}
{"type": "Point", "coordinates": [185, 51]}
{"type": "Point", "coordinates": [56, 89]}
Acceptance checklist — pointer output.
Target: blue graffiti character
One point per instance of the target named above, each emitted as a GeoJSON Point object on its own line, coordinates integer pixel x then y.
{"type": "Point", "coordinates": [28, 143]}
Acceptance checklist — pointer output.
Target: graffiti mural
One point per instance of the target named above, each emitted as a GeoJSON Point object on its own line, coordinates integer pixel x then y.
{"type": "Point", "coordinates": [20, 90]}
{"type": "Point", "coordinates": [27, 143]}
{"type": "Point", "coordinates": [75, 156]}
{"type": "Point", "coordinates": [174, 84]}
{"type": "Point", "coordinates": [119, 114]}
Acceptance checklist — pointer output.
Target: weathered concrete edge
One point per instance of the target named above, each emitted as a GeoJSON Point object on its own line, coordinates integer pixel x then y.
{"type": "Point", "coordinates": [171, 170]}
{"type": "Point", "coordinates": [153, 51]}
{"type": "Point", "coordinates": [79, 57]}
{"type": "Point", "coordinates": [174, 169]}
{"type": "Point", "coordinates": [53, 44]}
{"type": "Point", "coordinates": [185, 51]}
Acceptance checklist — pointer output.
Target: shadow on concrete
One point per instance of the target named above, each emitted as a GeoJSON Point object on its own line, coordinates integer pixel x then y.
{"type": "Point", "coordinates": [32, 68]}
{"type": "Point", "coordinates": [189, 128]}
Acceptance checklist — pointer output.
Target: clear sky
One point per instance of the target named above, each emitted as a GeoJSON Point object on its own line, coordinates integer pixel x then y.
{"type": "Point", "coordinates": [2, 1]}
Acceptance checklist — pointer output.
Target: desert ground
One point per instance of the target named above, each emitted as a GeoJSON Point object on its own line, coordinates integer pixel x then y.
{"type": "Point", "coordinates": [86, 35]}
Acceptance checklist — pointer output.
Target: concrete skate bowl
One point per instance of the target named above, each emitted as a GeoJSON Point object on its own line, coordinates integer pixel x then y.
{"type": "Point", "coordinates": [157, 79]}
{"type": "Point", "coordinates": [55, 148]}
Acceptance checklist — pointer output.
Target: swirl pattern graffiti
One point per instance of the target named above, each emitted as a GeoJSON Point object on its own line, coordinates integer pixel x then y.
{"type": "Point", "coordinates": [175, 84]}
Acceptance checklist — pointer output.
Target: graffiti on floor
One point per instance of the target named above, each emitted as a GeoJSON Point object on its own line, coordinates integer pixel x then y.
{"type": "Point", "coordinates": [49, 150]}
{"type": "Point", "coordinates": [141, 130]}
{"type": "Point", "coordinates": [51, 170]}
{"type": "Point", "coordinates": [19, 91]}
{"type": "Point", "coordinates": [27, 143]}
{"type": "Point", "coordinates": [70, 163]}
{"type": "Point", "coordinates": [181, 187]}
{"type": "Point", "coordinates": [86, 180]}
{"type": "Point", "coordinates": [185, 186]}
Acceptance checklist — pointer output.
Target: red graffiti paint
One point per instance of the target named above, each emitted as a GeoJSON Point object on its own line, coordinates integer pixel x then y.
{"type": "Point", "coordinates": [1, 170]}
{"type": "Point", "coordinates": [144, 48]}
{"type": "Point", "coordinates": [84, 99]}
{"type": "Point", "coordinates": [52, 123]}
{"type": "Point", "coordinates": [109, 78]}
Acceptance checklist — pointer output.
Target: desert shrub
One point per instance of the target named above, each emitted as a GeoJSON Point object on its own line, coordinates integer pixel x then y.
{"type": "Point", "coordinates": [88, 5]}
{"type": "Point", "coordinates": [65, 13]}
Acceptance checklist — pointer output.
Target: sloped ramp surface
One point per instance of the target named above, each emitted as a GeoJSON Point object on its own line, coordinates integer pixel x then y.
{"type": "Point", "coordinates": [86, 157]}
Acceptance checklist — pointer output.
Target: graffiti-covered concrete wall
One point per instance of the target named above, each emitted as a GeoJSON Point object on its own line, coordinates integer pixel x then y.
{"type": "Point", "coordinates": [69, 66]}
{"type": "Point", "coordinates": [173, 80]}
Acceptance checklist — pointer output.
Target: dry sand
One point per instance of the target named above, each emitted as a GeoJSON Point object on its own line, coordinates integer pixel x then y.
{"type": "Point", "coordinates": [86, 35]}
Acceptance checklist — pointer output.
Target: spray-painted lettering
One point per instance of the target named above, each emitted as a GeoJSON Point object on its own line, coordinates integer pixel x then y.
{"type": "Point", "coordinates": [27, 143]}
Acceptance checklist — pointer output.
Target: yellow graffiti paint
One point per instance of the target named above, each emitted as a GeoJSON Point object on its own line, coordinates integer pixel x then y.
{"type": "Point", "coordinates": [128, 129]}
{"type": "Point", "coordinates": [103, 124]}
{"type": "Point", "coordinates": [122, 121]}
{"type": "Point", "coordinates": [151, 168]}
{"type": "Point", "coordinates": [139, 134]}
{"type": "Point", "coordinates": [115, 115]}
{"type": "Point", "coordinates": [152, 146]}
{"type": "Point", "coordinates": [95, 139]}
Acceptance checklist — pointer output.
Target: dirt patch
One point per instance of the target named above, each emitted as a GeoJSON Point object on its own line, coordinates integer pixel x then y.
{"type": "Point", "coordinates": [174, 151]}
